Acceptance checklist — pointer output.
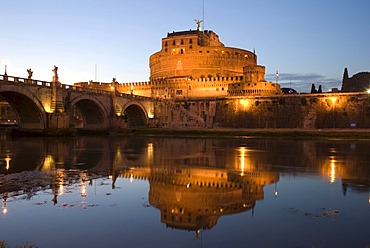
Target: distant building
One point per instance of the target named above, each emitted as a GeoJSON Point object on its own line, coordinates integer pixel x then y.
{"type": "Point", "coordinates": [335, 90]}
{"type": "Point", "coordinates": [197, 64]}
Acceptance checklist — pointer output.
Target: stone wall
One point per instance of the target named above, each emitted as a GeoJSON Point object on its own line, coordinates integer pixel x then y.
{"type": "Point", "coordinates": [308, 111]}
{"type": "Point", "coordinates": [296, 111]}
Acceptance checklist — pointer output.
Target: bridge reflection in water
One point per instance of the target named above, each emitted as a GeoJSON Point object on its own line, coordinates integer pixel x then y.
{"type": "Point", "coordinates": [192, 182]}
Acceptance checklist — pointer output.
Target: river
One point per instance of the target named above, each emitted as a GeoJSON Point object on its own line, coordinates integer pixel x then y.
{"type": "Point", "coordinates": [134, 191]}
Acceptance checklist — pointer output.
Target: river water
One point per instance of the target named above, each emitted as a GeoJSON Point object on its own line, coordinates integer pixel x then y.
{"type": "Point", "coordinates": [184, 192]}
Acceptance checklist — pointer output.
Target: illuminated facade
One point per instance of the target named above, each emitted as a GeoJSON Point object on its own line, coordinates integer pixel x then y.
{"type": "Point", "coordinates": [196, 64]}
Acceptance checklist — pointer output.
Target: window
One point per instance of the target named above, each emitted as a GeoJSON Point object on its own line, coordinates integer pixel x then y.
{"type": "Point", "coordinates": [179, 92]}
{"type": "Point", "coordinates": [173, 42]}
{"type": "Point", "coordinates": [182, 42]}
{"type": "Point", "coordinates": [191, 41]}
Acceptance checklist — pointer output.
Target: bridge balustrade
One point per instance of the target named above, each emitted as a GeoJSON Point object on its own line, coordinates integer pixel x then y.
{"type": "Point", "coordinates": [24, 80]}
{"type": "Point", "coordinates": [48, 84]}
{"type": "Point", "coordinates": [69, 87]}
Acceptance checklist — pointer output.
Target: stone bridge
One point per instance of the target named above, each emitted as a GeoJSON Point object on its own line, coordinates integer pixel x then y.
{"type": "Point", "coordinates": [43, 106]}
{"type": "Point", "coordinates": [46, 106]}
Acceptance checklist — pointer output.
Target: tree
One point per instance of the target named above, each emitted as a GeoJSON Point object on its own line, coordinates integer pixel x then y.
{"type": "Point", "coordinates": [313, 89]}
{"type": "Point", "coordinates": [320, 89]}
{"type": "Point", "coordinates": [345, 81]}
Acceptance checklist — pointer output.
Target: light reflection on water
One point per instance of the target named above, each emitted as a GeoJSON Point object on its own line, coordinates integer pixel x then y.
{"type": "Point", "coordinates": [168, 192]}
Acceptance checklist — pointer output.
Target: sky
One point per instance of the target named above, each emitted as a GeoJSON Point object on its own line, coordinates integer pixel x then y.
{"type": "Point", "coordinates": [306, 41]}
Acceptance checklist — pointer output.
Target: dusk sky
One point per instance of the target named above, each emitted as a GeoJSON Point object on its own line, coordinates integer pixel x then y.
{"type": "Point", "coordinates": [307, 41]}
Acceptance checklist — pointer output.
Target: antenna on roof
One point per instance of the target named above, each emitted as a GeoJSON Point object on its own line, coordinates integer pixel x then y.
{"type": "Point", "coordinates": [203, 15]}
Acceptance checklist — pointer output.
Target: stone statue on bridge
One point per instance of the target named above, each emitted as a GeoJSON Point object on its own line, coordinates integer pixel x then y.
{"type": "Point", "coordinates": [55, 78]}
{"type": "Point", "coordinates": [30, 73]}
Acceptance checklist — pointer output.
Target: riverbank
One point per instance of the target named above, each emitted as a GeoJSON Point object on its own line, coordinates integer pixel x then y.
{"type": "Point", "coordinates": [348, 134]}
{"type": "Point", "coordinates": [282, 133]}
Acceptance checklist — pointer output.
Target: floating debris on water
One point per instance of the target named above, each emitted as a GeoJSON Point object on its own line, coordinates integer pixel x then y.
{"type": "Point", "coordinates": [319, 214]}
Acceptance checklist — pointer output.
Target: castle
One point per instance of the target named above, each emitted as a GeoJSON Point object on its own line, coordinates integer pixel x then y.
{"type": "Point", "coordinates": [196, 64]}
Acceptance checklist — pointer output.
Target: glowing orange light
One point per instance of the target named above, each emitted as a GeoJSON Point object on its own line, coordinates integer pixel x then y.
{"type": "Point", "coordinates": [245, 104]}
{"type": "Point", "coordinates": [332, 170]}
{"type": "Point", "coordinates": [243, 152]}
{"type": "Point", "coordinates": [5, 209]}
{"type": "Point", "coordinates": [61, 189]}
{"type": "Point", "coordinates": [83, 190]}
{"type": "Point", "coordinates": [7, 159]}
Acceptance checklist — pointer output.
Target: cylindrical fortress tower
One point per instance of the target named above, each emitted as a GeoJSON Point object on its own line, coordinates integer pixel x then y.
{"type": "Point", "coordinates": [198, 54]}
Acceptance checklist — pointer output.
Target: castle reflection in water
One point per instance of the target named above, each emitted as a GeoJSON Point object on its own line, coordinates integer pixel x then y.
{"type": "Point", "coordinates": [192, 181]}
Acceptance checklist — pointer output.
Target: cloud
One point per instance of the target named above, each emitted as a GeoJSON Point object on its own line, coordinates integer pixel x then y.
{"type": "Point", "coordinates": [303, 82]}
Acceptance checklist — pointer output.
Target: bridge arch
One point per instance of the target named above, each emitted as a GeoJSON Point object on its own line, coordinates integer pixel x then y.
{"type": "Point", "coordinates": [29, 110]}
{"type": "Point", "coordinates": [135, 114]}
{"type": "Point", "coordinates": [89, 114]}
